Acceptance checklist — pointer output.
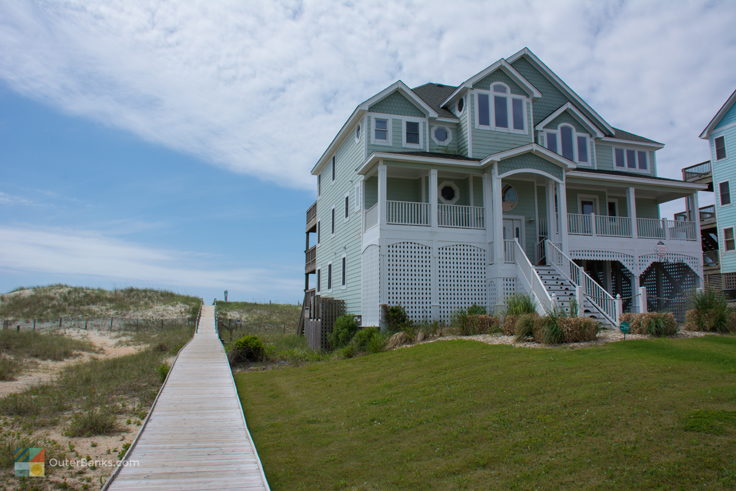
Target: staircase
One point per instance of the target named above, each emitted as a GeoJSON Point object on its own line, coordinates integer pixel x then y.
{"type": "Point", "coordinates": [564, 291]}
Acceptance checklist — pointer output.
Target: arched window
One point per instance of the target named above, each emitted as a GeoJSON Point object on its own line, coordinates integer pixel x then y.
{"type": "Point", "coordinates": [566, 141]}
{"type": "Point", "coordinates": [569, 143]}
{"type": "Point", "coordinates": [500, 109]}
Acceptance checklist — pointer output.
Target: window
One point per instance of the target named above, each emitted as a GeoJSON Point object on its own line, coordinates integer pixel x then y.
{"type": "Point", "coordinates": [343, 271]}
{"type": "Point", "coordinates": [382, 131]}
{"type": "Point", "coordinates": [449, 193]}
{"type": "Point", "coordinates": [347, 206]}
{"type": "Point", "coordinates": [441, 135]}
{"type": "Point", "coordinates": [509, 198]}
{"type": "Point", "coordinates": [612, 208]}
{"type": "Point", "coordinates": [319, 184]}
{"type": "Point", "coordinates": [357, 134]}
{"type": "Point", "coordinates": [587, 206]}
{"type": "Point", "coordinates": [461, 105]}
{"type": "Point", "coordinates": [724, 192]}
{"type": "Point", "coordinates": [720, 144]}
{"type": "Point", "coordinates": [319, 232]}
{"type": "Point", "coordinates": [728, 239]}
{"type": "Point", "coordinates": [329, 276]}
{"type": "Point", "coordinates": [319, 280]}
{"type": "Point", "coordinates": [628, 159]}
{"type": "Point", "coordinates": [508, 109]}
{"type": "Point", "coordinates": [412, 135]}
{"type": "Point", "coordinates": [333, 167]}
{"type": "Point", "coordinates": [332, 227]}
{"type": "Point", "coordinates": [569, 143]}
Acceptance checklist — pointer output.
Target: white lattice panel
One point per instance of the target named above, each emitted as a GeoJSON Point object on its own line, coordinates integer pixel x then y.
{"type": "Point", "coordinates": [509, 287]}
{"type": "Point", "coordinates": [409, 281]}
{"type": "Point", "coordinates": [371, 282]}
{"type": "Point", "coordinates": [492, 294]}
{"type": "Point", "coordinates": [462, 278]}
{"type": "Point", "coordinates": [695, 263]}
{"type": "Point", "coordinates": [626, 259]}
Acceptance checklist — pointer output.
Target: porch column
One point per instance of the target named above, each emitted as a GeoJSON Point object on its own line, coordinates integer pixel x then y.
{"type": "Point", "coordinates": [488, 206]}
{"type": "Point", "coordinates": [433, 198]}
{"type": "Point", "coordinates": [381, 194]}
{"type": "Point", "coordinates": [636, 298]}
{"type": "Point", "coordinates": [562, 207]}
{"type": "Point", "coordinates": [497, 200]}
{"type": "Point", "coordinates": [696, 220]}
{"type": "Point", "coordinates": [551, 221]}
{"type": "Point", "coordinates": [631, 205]}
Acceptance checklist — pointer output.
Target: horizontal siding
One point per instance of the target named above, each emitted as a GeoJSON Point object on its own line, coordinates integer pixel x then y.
{"type": "Point", "coordinates": [524, 208]}
{"type": "Point", "coordinates": [399, 189]}
{"type": "Point", "coordinates": [499, 76]}
{"type": "Point", "coordinates": [452, 146]}
{"type": "Point", "coordinates": [729, 118]}
{"type": "Point", "coordinates": [487, 141]}
{"type": "Point", "coordinates": [725, 170]}
{"type": "Point", "coordinates": [396, 138]}
{"type": "Point", "coordinates": [529, 161]}
{"type": "Point", "coordinates": [396, 103]}
{"type": "Point", "coordinates": [566, 118]}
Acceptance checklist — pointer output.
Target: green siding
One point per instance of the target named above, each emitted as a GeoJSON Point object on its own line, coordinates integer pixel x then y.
{"type": "Point", "coordinates": [396, 103]}
{"type": "Point", "coordinates": [371, 192]}
{"type": "Point", "coordinates": [647, 208]}
{"type": "Point", "coordinates": [603, 156]}
{"type": "Point", "coordinates": [725, 170]}
{"type": "Point", "coordinates": [478, 191]}
{"type": "Point", "coordinates": [499, 76]}
{"type": "Point", "coordinates": [552, 98]}
{"type": "Point", "coordinates": [404, 189]}
{"type": "Point", "coordinates": [452, 147]}
{"type": "Point", "coordinates": [462, 186]}
{"type": "Point", "coordinates": [529, 161]}
{"type": "Point", "coordinates": [397, 127]}
{"type": "Point", "coordinates": [487, 141]}
{"type": "Point", "coordinates": [566, 118]}
{"type": "Point", "coordinates": [464, 128]}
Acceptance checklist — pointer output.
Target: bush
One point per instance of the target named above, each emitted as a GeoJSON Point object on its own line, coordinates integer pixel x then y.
{"type": "Point", "coordinates": [548, 330]}
{"type": "Point", "coordinates": [93, 422]}
{"type": "Point", "coordinates": [476, 310]}
{"type": "Point", "coordinates": [247, 348]}
{"type": "Point", "coordinates": [653, 324]}
{"type": "Point", "coordinates": [519, 304]}
{"type": "Point", "coordinates": [163, 371]}
{"type": "Point", "coordinates": [524, 326]}
{"type": "Point", "coordinates": [395, 318]}
{"type": "Point", "coordinates": [710, 313]}
{"type": "Point", "coordinates": [366, 340]}
{"type": "Point", "coordinates": [399, 339]}
{"type": "Point", "coordinates": [578, 329]}
{"type": "Point", "coordinates": [474, 321]}
{"type": "Point", "coordinates": [9, 368]}
{"type": "Point", "coordinates": [343, 331]}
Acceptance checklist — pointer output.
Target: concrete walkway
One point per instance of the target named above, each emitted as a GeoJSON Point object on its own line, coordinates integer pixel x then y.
{"type": "Point", "coordinates": [195, 436]}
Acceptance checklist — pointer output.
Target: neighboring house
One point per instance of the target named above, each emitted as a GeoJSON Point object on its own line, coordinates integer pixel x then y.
{"type": "Point", "coordinates": [439, 197]}
{"type": "Point", "coordinates": [718, 221]}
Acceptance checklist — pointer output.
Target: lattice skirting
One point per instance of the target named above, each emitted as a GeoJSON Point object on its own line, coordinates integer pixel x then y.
{"type": "Point", "coordinates": [409, 278]}
{"type": "Point", "coordinates": [462, 278]}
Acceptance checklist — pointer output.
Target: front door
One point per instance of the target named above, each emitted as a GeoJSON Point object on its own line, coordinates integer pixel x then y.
{"type": "Point", "coordinates": [512, 229]}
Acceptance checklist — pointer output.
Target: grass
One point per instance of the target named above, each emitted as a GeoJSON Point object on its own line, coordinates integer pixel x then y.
{"type": "Point", "coordinates": [54, 301]}
{"type": "Point", "coordinates": [9, 368]}
{"type": "Point", "coordinates": [43, 346]}
{"type": "Point", "coordinates": [653, 413]}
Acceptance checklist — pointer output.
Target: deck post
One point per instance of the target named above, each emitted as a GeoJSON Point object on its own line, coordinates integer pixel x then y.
{"type": "Point", "coordinates": [631, 205]}
{"type": "Point", "coordinates": [433, 206]}
{"type": "Point", "coordinates": [551, 222]}
{"type": "Point", "coordinates": [642, 300]}
{"type": "Point", "coordinates": [497, 198]}
{"type": "Point", "coordinates": [562, 207]}
{"type": "Point", "coordinates": [381, 203]}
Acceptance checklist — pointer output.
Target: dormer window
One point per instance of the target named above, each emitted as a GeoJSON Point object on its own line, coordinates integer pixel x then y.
{"type": "Point", "coordinates": [630, 159]}
{"type": "Point", "coordinates": [412, 134]}
{"type": "Point", "coordinates": [569, 143]}
{"type": "Point", "coordinates": [381, 131]}
{"type": "Point", "coordinates": [499, 109]}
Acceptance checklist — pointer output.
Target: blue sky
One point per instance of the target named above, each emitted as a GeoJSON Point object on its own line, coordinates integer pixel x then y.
{"type": "Point", "coordinates": [169, 144]}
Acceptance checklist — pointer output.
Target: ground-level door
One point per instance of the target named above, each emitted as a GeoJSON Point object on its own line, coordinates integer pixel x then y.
{"type": "Point", "coordinates": [513, 229]}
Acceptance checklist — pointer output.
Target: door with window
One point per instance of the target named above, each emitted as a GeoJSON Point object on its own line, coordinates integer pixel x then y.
{"type": "Point", "coordinates": [587, 209]}
{"type": "Point", "coordinates": [513, 229]}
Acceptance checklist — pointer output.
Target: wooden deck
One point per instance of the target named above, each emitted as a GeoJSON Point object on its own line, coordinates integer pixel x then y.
{"type": "Point", "coordinates": [195, 436]}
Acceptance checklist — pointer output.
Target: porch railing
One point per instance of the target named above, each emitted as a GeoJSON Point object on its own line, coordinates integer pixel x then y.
{"type": "Point", "coordinates": [407, 213]}
{"type": "Point", "coordinates": [613, 226]}
{"type": "Point", "coordinates": [460, 216]}
{"type": "Point", "coordinates": [697, 171]}
{"type": "Point", "coordinates": [509, 251]}
{"type": "Point", "coordinates": [601, 299]}
{"type": "Point", "coordinates": [651, 228]}
{"type": "Point", "coordinates": [532, 281]}
{"type": "Point", "coordinates": [371, 216]}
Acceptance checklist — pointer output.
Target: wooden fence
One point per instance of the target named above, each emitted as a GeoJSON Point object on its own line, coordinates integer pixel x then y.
{"type": "Point", "coordinates": [317, 320]}
{"type": "Point", "coordinates": [97, 324]}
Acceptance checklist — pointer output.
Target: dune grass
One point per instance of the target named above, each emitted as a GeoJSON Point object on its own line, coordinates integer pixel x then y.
{"type": "Point", "coordinates": [42, 346]}
{"type": "Point", "coordinates": [653, 413]}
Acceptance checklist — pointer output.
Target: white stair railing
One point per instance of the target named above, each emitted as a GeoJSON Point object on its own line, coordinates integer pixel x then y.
{"type": "Point", "coordinates": [532, 281]}
{"type": "Point", "coordinates": [601, 299]}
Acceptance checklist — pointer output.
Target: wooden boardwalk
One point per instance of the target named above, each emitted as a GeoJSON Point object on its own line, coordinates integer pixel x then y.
{"type": "Point", "coordinates": [195, 436]}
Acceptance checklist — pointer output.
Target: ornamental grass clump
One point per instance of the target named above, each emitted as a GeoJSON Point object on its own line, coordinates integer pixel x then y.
{"type": "Point", "coordinates": [653, 324]}
{"type": "Point", "coordinates": [710, 313]}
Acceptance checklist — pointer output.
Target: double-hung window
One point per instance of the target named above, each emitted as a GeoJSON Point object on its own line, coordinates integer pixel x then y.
{"type": "Point", "coordinates": [720, 144]}
{"type": "Point", "coordinates": [333, 167]}
{"type": "Point", "coordinates": [630, 159]}
{"type": "Point", "coordinates": [569, 143]}
{"type": "Point", "coordinates": [499, 109]}
{"type": "Point", "coordinates": [343, 271]}
{"type": "Point", "coordinates": [329, 276]}
{"type": "Point", "coordinates": [412, 134]}
{"type": "Point", "coordinates": [381, 131]}
{"type": "Point", "coordinates": [729, 243]}
{"type": "Point", "coordinates": [724, 192]}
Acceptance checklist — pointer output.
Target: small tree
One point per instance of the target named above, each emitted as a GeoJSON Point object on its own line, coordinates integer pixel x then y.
{"type": "Point", "coordinates": [343, 331]}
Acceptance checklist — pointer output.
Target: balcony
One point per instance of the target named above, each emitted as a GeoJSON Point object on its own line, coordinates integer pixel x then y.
{"type": "Point", "coordinates": [418, 214]}
{"type": "Point", "coordinates": [310, 260]}
{"type": "Point", "coordinates": [707, 216]}
{"type": "Point", "coordinates": [312, 218]}
{"type": "Point", "coordinates": [699, 173]}
{"type": "Point", "coordinates": [647, 228]}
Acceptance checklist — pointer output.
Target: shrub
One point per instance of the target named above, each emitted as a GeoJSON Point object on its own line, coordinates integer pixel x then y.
{"type": "Point", "coordinates": [551, 332]}
{"type": "Point", "coordinates": [343, 331]}
{"type": "Point", "coordinates": [524, 326]}
{"type": "Point", "coordinates": [399, 339]}
{"type": "Point", "coordinates": [163, 371]}
{"type": "Point", "coordinates": [508, 326]}
{"type": "Point", "coordinates": [482, 324]}
{"type": "Point", "coordinates": [366, 340]}
{"type": "Point", "coordinates": [93, 422]}
{"type": "Point", "coordinates": [653, 324]}
{"type": "Point", "coordinates": [476, 310]}
{"type": "Point", "coordinates": [247, 348]}
{"type": "Point", "coordinates": [710, 313]}
{"type": "Point", "coordinates": [395, 318]}
{"type": "Point", "coordinates": [519, 304]}
{"type": "Point", "coordinates": [9, 368]}
{"type": "Point", "coordinates": [578, 329]}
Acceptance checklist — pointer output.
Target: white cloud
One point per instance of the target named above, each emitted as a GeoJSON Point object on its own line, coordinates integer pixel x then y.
{"type": "Point", "coordinates": [10, 199]}
{"type": "Point", "coordinates": [261, 87]}
{"type": "Point", "coordinates": [95, 256]}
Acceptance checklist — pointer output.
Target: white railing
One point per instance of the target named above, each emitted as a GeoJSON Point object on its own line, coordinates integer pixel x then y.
{"type": "Point", "coordinates": [509, 250]}
{"type": "Point", "coordinates": [371, 216]}
{"type": "Point", "coordinates": [533, 283]}
{"type": "Point", "coordinates": [610, 226]}
{"type": "Point", "coordinates": [651, 228]}
{"type": "Point", "coordinates": [407, 213]}
{"type": "Point", "coordinates": [680, 230]}
{"type": "Point", "coordinates": [601, 299]}
{"type": "Point", "coordinates": [459, 216]}
{"type": "Point", "coordinates": [579, 224]}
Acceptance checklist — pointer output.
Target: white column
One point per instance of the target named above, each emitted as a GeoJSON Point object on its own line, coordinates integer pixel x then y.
{"type": "Point", "coordinates": [496, 197]}
{"type": "Point", "coordinates": [433, 198]}
{"type": "Point", "coordinates": [551, 221]}
{"type": "Point", "coordinates": [562, 206]}
{"type": "Point", "coordinates": [642, 299]}
{"type": "Point", "coordinates": [381, 194]}
{"type": "Point", "coordinates": [636, 300]}
{"type": "Point", "coordinates": [488, 206]}
{"type": "Point", "coordinates": [698, 238]}
{"type": "Point", "coordinates": [631, 205]}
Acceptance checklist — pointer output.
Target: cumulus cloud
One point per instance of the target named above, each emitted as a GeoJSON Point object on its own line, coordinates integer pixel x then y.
{"type": "Point", "coordinates": [80, 253]}
{"type": "Point", "coordinates": [261, 87]}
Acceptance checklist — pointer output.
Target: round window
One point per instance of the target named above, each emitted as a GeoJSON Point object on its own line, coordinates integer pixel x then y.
{"type": "Point", "coordinates": [441, 135]}
{"type": "Point", "coordinates": [357, 133]}
{"type": "Point", "coordinates": [510, 198]}
{"type": "Point", "coordinates": [461, 105]}
{"type": "Point", "coordinates": [449, 193]}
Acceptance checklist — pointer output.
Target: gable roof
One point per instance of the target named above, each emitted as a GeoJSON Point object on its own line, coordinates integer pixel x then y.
{"type": "Point", "coordinates": [499, 65]}
{"type": "Point", "coordinates": [560, 84]}
{"type": "Point", "coordinates": [399, 86]}
{"type": "Point", "coordinates": [434, 95]}
{"type": "Point", "coordinates": [534, 149]}
{"type": "Point", "coordinates": [576, 114]}
{"type": "Point", "coordinates": [719, 115]}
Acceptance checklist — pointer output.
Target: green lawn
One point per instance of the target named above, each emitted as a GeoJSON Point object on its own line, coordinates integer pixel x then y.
{"type": "Point", "coordinates": [656, 413]}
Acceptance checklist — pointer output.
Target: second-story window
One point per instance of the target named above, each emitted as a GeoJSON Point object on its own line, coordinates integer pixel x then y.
{"type": "Point", "coordinates": [319, 232]}
{"type": "Point", "coordinates": [329, 276]}
{"type": "Point", "coordinates": [411, 133]}
{"type": "Point", "coordinates": [504, 112]}
{"type": "Point", "coordinates": [381, 131]}
{"type": "Point", "coordinates": [729, 243]}
{"type": "Point", "coordinates": [724, 191]}
{"type": "Point", "coordinates": [627, 158]}
{"type": "Point", "coordinates": [347, 206]}
{"type": "Point", "coordinates": [319, 184]}
{"type": "Point", "coordinates": [333, 221]}
{"type": "Point", "coordinates": [344, 270]}
{"type": "Point", "coordinates": [720, 144]}
{"type": "Point", "coordinates": [333, 167]}
{"type": "Point", "coordinates": [569, 143]}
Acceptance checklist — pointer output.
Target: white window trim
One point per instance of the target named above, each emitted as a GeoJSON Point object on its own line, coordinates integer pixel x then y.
{"type": "Point", "coordinates": [724, 240]}
{"type": "Point", "coordinates": [509, 110]}
{"type": "Point", "coordinates": [458, 110]}
{"type": "Point", "coordinates": [330, 271]}
{"type": "Point", "coordinates": [343, 267]}
{"type": "Point", "coordinates": [319, 280]}
{"type": "Point", "coordinates": [635, 169]}
{"type": "Point", "coordinates": [715, 152]}
{"type": "Point", "coordinates": [449, 135]}
{"type": "Point", "coordinates": [575, 134]}
{"type": "Point", "coordinates": [389, 133]}
{"type": "Point", "coordinates": [420, 122]}
{"type": "Point", "coordinates": [718, 193]}
{"type": "Point", "coordinates": [319, 232]}
{"type": "Point", "coordinates": [588, 197]}
{"type": "Point", "coordinates": [454, 187]}
{"type": "Point", "coordinates": [346, 216]}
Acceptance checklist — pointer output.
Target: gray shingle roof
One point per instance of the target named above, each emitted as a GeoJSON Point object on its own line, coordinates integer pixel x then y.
{"type": "Point", "coordinates": [625, 135]}
{"type": "Point", "coordinates": [434, 95]}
